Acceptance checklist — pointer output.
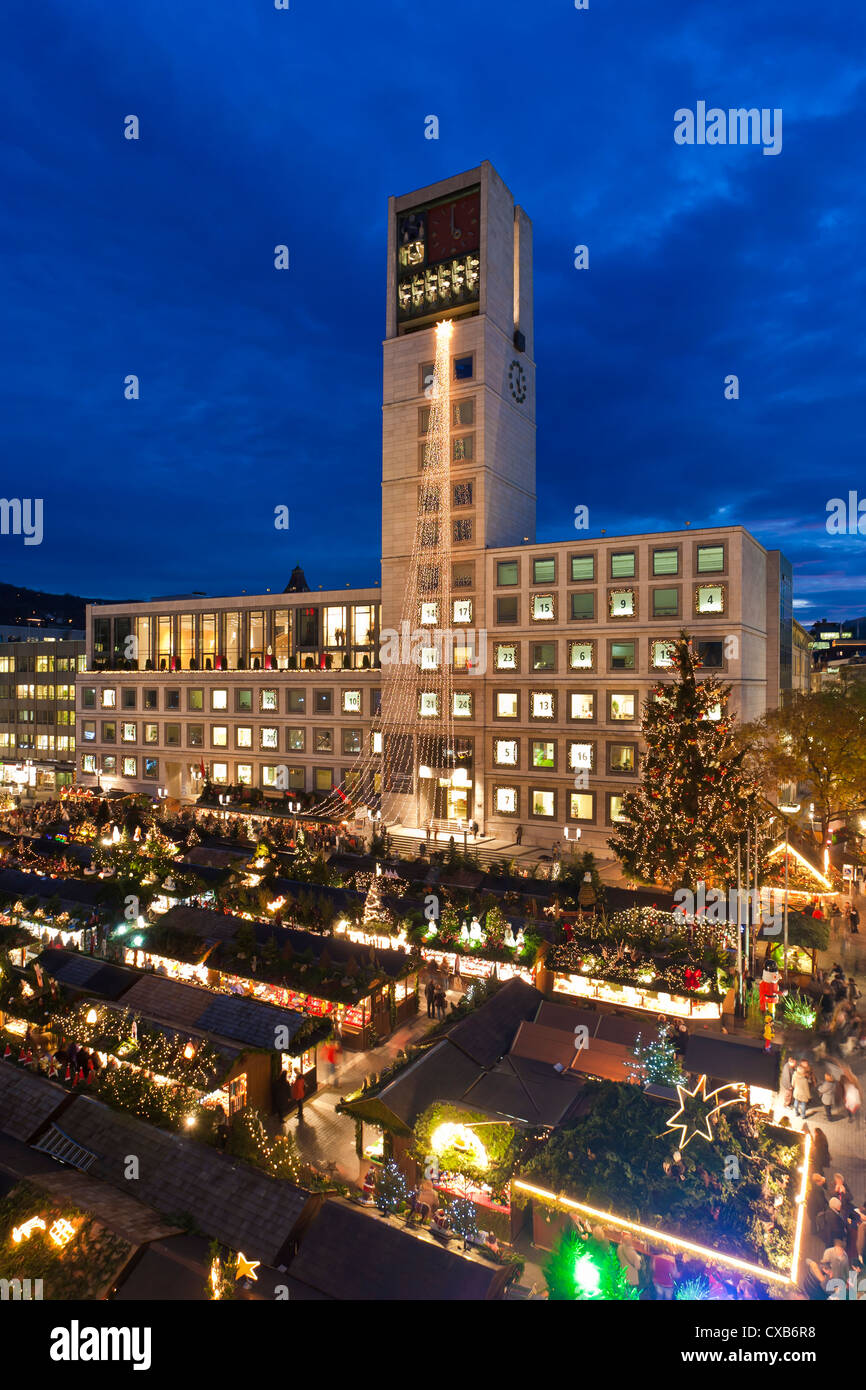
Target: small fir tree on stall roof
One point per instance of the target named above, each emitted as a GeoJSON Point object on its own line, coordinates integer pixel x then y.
{"type": "Point", "coordinates": [696, 799]}
{"type": "Point", "coordinates": [656, 1062]}
{"type": "Point", "coordinates": [463, 1218]}
{"type": "Point", "coordinates": [390, 1189]}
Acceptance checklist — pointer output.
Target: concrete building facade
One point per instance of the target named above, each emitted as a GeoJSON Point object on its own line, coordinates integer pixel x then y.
{"type": "Point", "coordinates": [573, 632]}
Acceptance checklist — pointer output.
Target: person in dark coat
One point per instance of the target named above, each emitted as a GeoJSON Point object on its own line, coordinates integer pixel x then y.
{"type": "Point", "coordinates": [430, 996]}
{"type": "Point", "coordinates": [441, 1002]}
{"type": "Point", "coordinates": [299, 1090]}
{"type": "Point", "coordinates": [518, 835]}
{"type": "Point", "coordinates": [830, 1222]}
{"type": "Point", "coordinates": [283, 1096]}
{"type": "Point", "coordinates": [820, 1156]}
{"type": "Point", "coordinates": [816, 1200]}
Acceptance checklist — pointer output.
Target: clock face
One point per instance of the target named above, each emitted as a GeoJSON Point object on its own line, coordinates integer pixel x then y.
{"type": "Point", "coordinates": [454, 228]}
{"type": "Point", "coordinates": [517, 382]}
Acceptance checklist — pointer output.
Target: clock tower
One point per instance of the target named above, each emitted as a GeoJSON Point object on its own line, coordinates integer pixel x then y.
{"type": "Point", "coordinates": [460, 250]}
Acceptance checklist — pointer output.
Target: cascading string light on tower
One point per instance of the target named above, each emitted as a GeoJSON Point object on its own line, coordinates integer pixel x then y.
{"type": "Point", "coordinates": [415, 724]}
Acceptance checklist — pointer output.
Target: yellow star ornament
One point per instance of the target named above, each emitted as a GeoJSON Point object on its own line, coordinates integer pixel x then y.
{"type": "Point", "coordinates": [699, 1094]}
{"type": "Point", "coordinates": [246, 1269]}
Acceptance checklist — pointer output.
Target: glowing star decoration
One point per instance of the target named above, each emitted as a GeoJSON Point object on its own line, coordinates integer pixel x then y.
{"type": "Point", "coordinates": [24, 1232]}
{"type": "Point", "coordinates": [62, 1232]}
{"type": "Point", "coordinates": [246, 1269]}
{"type": "Point", "coordinates": [699, 1094]}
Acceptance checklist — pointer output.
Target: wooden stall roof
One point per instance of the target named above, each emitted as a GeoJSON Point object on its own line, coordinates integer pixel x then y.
{"type": "Point", "coordinates": [486, 1034]}
{"type": "Point", "coordinates": [719, 1056]}
{"type": "Point", "coordinates": [26, 1101]}
{"type": "Point", "coordinates": [351, 1255]}
{"type": "Point", "coordinates": [240, 1206]}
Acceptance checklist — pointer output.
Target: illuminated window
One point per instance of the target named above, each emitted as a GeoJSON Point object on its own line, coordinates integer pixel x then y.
{"type": "Point", "coordinates": [581, 704]}
{"type": "Point", "coordinates": [614, 807]}
{"type": "Point", "coordinates": [581, 656]}
{"type": "Point", "coordinates": [661, 658]}
{"type": "Point", "coordinates": [351, 702]}
{"type": "Point", "coordinates": [581, 806]}
{"type": "Point", "coordinates": [621, 757]}
{"type": "Point", "coordinates": [544, 571]}
{"type": "Point", "coordinates": [506, 656]}
{"type": "Point", "coordinates": [506, 704]}
{"type": "Point", "coordinates": [543, 753]}
{"type": "Point", "coordinates": [622, 706]}
{"type": "Point", "coordinates": [88, 762]}
{"type": "Point", "coordinates": [506, 572]}
{"type": "Point", "coordinates": [542, 704]}
{"type": "Point", "coordinates": [428, 704]}
{"type": "Point", "coordinates": [351, 740]}
{"type": "Point", "coordinates": [543, 608]}
{"type": "Point", "coordinates": [462, 704]}
{"type": "Point", "coordinates": [269, 737]}
{"type": "Point", "coordinates": [543, 803]}
{"type": "Point", "coordinates": [219, 773]}
{"type": "Point", "coordinates": [268, 701]}
{"type": "Point", "coordinates": [710, 598]}
{"type": "Point", "coordinates": [429, 614]}
{"type": "Point", "coordinates": [151, 733]}
{"type": "Point", "coordinates": [109, 699]}
{"type": "Point", "coordinates": [128, 733]}
{"type": "Point", "coordinates": [323, 779]}
{"type": "Point", "coordinates": [324, 740]}
{"type": "Point", "coordinates": [151, 768]}
{"type": "Point", "coordinates": [297, 739]}
{"type": "Point", "coordinates": [429, 659]}
{"type": "Point", "coordinates": [219, 736]}
{"type": "Point", "coordinates": [130, 767]}
{"type": "Point", "coordinates": [505, 801]}
{"type": "Point", "coordinates": [581, 757]}
{"type": "Point", "coordinates": [462, 608]}
{"type": "Point", "coordinates": [244, 774]}
{"type": "Point", "coordinates": [622, 603]}
{"type": "Point", "coordinates": [505, 752]}
{"type": "Point", "coordinates": [376, 741]}
{"type": "Point", "coordinates": [243, 736]}
{"type": "Point", "coordinates": [219, 699]}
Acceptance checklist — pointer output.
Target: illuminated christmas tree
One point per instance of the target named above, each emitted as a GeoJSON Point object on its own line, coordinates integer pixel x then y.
{"type": "Point", "coordinates": [655, 1062]}
{"type": "Point", "coordinates": [581, 1268]}
{"type": "Point", "coordinates": [390, 1189]}
{"type": "Point", "coordinates": [374, 906]}
{"type": "Point", "coordinates": [696, 799]}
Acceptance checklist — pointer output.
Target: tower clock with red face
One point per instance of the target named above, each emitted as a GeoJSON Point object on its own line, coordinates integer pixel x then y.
{"type": "Point", "coordinates": [453, 228]}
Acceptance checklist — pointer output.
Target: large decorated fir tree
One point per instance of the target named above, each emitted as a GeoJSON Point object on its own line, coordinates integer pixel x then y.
{"type": "Point", "coordinates": [696, 799]}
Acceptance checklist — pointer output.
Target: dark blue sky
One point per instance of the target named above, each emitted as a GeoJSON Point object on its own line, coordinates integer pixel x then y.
{"type": "Point", "coordinates": [258, 387]}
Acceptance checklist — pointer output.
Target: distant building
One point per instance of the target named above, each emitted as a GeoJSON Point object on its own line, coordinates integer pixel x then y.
{"type": "Point", "coordinates": [37, 708]}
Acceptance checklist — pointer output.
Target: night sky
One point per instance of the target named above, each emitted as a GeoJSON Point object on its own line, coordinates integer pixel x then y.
{"type": "Point", "coordinates": [261, 387]}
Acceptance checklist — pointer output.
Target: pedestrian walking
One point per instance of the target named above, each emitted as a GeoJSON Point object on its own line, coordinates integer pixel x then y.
{"type": "Point", "coordinates": [664, 1274]}
{"type": "Point", "coordinates": [786, 1082]}
{"type": "Point", "coordinates": [298, 1093]}
{"type": "Point", "coordinates": [802, 1092]}
{"type": "Point", "coordinates": [854, 922]}
{"type": "Point", "coordinates": [827, 1094]}
{"type": "Point", "coordinates": [830, 1223]}
{"type": "Point", "coordinates": [852, 1101]}
{"type": "Point", "coordinates": [430, 996]}
{"type": "Point", "coordinates": [820, 1155]}
{"type": "Point", "coordinates": [518, 835]}
{"type": "Point", "coordinates": [441, 1002]}
{"type": "Point", "coordinates": [816, 1199]}
{"type": "Point", "coordinates": [283, 1097]}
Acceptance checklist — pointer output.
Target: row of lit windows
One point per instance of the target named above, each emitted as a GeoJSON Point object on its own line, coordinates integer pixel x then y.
{"type": "Point", "coordinates": [583, 655]}
{"type": "Point", "coordinates": [709, 600]}
{"type": "Point", "coordinates": [622, 564]}
{"type": "Point", "coordinates": [247, 701]}
{"type": "Point", "coordinates": [273, 776]}
{"type": "Point", "coordinates": [544, 803]}
{"type": "Point", "coordinates": [580, 755]}
{"type": "Point", "coordinates": [37, 692]}
{"type": "Point", "coordinates": [41, 664]}
{"type": "Point", "coordinates": [265, 737]}
{"type": "Point", "coordinates": [45, 743]}
{"type": "Point", "coordinates": [579, 704]}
